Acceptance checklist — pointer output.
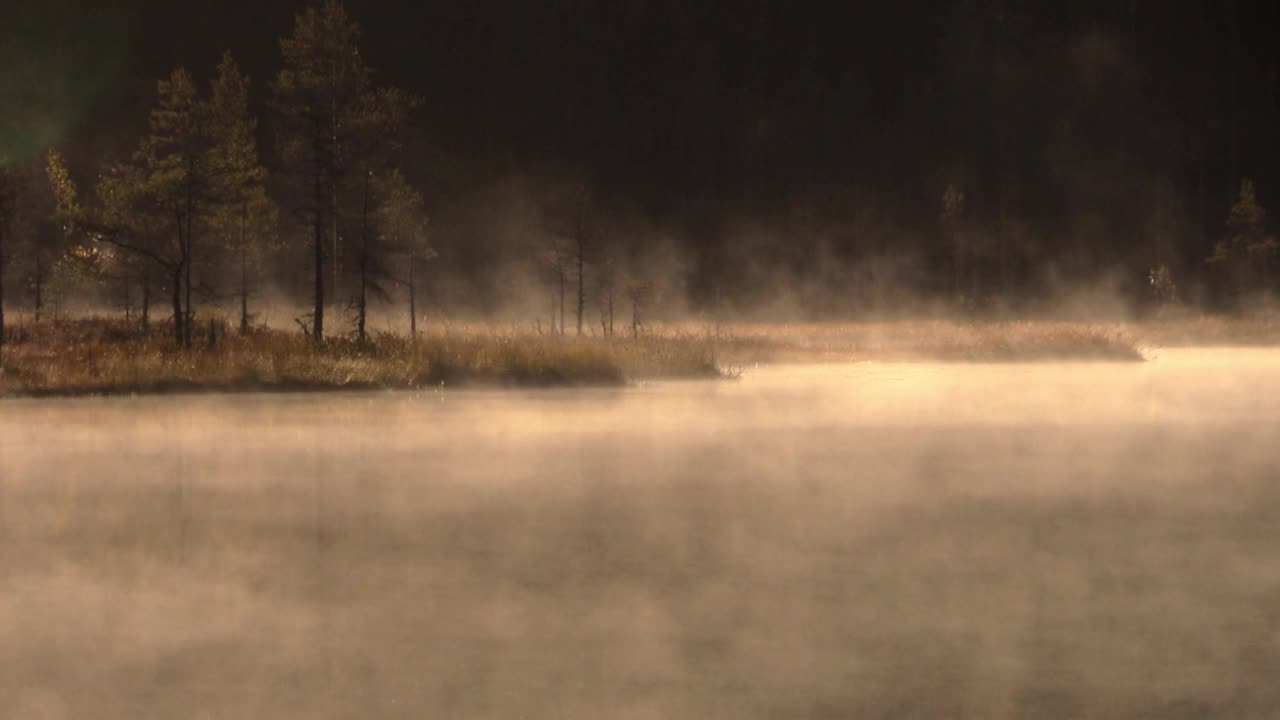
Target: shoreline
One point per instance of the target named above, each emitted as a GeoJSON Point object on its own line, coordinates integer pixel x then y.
{"type": "Point", "coordinates": [107, 357]}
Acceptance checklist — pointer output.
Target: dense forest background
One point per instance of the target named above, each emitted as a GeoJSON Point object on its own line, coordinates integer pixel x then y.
{"type": "Point", "coordinates": [832, 159]}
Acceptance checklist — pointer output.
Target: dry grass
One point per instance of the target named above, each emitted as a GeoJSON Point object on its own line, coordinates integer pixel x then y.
{"type": "Point", "coordinates": [1204, 330]}
{"type": "Point", "coordinates": [926, 340]}
{"type": "Point", "coordinates": [98, 356]}
{"type": "Point", "coordinates": [106, 357]}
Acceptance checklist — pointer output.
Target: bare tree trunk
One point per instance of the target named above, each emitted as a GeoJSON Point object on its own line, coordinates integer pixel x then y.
{"type": "Point", "coordinates": [2, 269]}
{"type": "Point", "coordinates": [606, 305]}
{"type": "Point", "coordinates": [975, 279]}
{"type": "Point", "coordinates": [719, 311]}
{"type": "Point", "coordinates": [333, 188]}
{"type": "Point", "coordinates": [413, 303]}
{"type": "Point", "coordinates": [317, 310]}
{"type": "Point", "coordinates": [580, 240]}
{"type": "Point", "coordinates": [39, 285]}
{"type": "Point", "coordinates": [560, 273]}
{"type": "Point", "coordinates": [553, 313]}
{"type": "Point", "coordinates": [1004, 240]}
{"type": "Point", "coordinates": [146, 300]}
{"type": "Point", "coordinates": [178, 324]}
{"type": "Point", "coordinates": [244, 277]}
{"type": "Point", "coordinates": [957, 265]}
{"type": "Point", "coordinates": [187, 262]}
{"type": "Point", "coordinates": [333, 255]}
{"type": "Point", "coordinates": [317, 317]}
{"type": "Point", "coordinates": [364, 258]}
{"type": "Point", "coordinates": [128, 298]}
{"type": "Point", "coordinates": [1235, 91]}
{"type": "Point", "coordinates": [188, 316]}
{"type": "Point", "coordinates": [582, 295]}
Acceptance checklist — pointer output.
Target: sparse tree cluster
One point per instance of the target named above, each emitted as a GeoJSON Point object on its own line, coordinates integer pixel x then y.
{"type": "Point", "coordinates": [189, 213]}
{"type": "Point", "coordinates": [192, 191]}
{"type": "Point", "coordinates": [576, 257]}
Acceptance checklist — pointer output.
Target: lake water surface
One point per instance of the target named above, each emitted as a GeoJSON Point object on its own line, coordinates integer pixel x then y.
{"type": "Point", "coordinates": [836, 541]}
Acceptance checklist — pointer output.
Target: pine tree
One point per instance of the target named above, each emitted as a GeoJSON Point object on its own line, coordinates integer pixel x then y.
{"type": "Point", "coordinates": [34, 242]}
{"type": "Point", "coordinates": [580, 256]}
{"type": "Point", "coordinates": [138, 210]}
{"type": "Point", "coordinates": [322, 82]}
{"type": "Point", "coordinates": [1246, 255]}
{"type": "Point", "coordinates": [243, 215]}
{"type": "Point", "coordinates": [572, 250]}
{"type": "Point", "coordinates": [176, 161]}
{"type": "Point", "coordinates": [402, 232]}
{"type": "Point", "coordinates": [606, 291]}
{"type": "Point", "coordinates": [376, 125]}
{"type": "Point", "coordinates": [952, 217]}
{"type": "Point", "coordinates": [7, 203]}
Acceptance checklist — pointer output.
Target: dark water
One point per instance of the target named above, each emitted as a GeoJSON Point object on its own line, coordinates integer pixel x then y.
{"type": "Point", "coordinates": [880, 540]}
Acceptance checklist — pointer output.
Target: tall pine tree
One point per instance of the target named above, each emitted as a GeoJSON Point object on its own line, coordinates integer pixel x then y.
{"type": "Point", "coordinates": [321, 84]}
{"type": "Point", "coordinates": [176, 161]}
{"type": "Point", "coordinates": [243, 216]}
{"type": "Point", "coordinates": [8, 198]}
{"type": "Point", "coordinates": [402, 233]}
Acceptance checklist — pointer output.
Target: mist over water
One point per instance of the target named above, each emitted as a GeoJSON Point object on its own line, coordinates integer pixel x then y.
{"type": "Point", "coordinates": [873, 540]}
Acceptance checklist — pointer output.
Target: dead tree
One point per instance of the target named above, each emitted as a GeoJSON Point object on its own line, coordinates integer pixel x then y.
{"type": "Point", "coordinates": [606, 295]}
{"type": "Point", "coordinates": [412, 286]}
{"type": "Point", "coordinates": [640, 295]}
{"type": "Point", "coordinates": [580, 252]}
{"type": "Point", "coordinates": [568, 256]}
{"type": "Point", "coordinates": [554, 258]}
{"type": "Point", "coordinates": [6, 213]}
{"type": "Point", "coordinates": [401, 222]}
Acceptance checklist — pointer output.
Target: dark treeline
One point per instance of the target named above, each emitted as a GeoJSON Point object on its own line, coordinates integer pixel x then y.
{"type": "Point", "coordinates": [580, 158]}
{"type": "Point", "coordinates": [189, 212]}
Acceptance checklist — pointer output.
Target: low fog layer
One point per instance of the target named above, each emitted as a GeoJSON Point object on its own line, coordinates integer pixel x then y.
{"type": "Point", "coordinates": [876, 540]}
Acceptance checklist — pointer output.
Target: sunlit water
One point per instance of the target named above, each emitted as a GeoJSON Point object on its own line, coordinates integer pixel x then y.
{"type": "Point", "coordinates": [875, 540]}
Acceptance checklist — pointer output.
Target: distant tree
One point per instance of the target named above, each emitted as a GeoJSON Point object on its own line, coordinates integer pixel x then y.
{"type": "Point", "coordinates": [40, 242]}
{"type": "Point", "coordinates": [242, 213]}
{"type": "Point", "coordinates": [23, 217]}
{"type": "Point", "coordinates": [1163, 287]}
{"type": "Point", "coordinates": [126, 217]}
{"type": "Point", "coordinates": [574, 245]}
{"type": "Point", "coordinates": [1245, 257]}
{"type": "Point", "coordinates": [323, 81]}
{"type": "Point", "coordinates": [24, 212]}
{"type": "Point", "coordinates": [178, 158]}
{"type": "Point", "coordinates": [605, 292]}
{"type": "Point", "coordinates": [29, 221]}
{"type": "Point", "coordinates": [580, 264]}
{"type": "Point", "coordinates": [251, 230]}
{"type": "Point", "coordinates": [402, 231]}
{"type": "Point", "coordinates": [640, 294]}
{"type": "Point", "coordinates": [8, 193]}
{"type": "Point", "coordinates": [555, 257]}
{"type": "Point", "coordinates": [952, 215]}
{"type": "Point", "coordinates": [376, 125]}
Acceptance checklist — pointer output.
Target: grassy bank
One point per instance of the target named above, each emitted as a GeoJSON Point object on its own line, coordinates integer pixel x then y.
{"type": "Point", "coordinates": [927, 341]}
{"type": "Point", "coordinates": [105, 357]}
{"type": "Point", "coordinates": [1203, 330]}
{"type": "Point", "coordinates": [97, 356]}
